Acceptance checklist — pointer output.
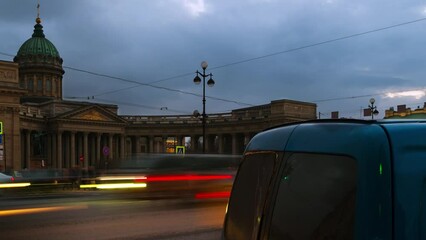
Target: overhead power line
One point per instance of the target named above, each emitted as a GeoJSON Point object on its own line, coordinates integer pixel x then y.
{"type": "Point", "coordinates": [153, 86]}
{"type": "Point", "coordinates": [233, 64]}
{"type": "Point", "coordinates": [319, 43]}
{"type": "Point", "coordinates": [146, 106]}
{"type": "Point", "coordinates": [273, 54]}
{"type": "Point", "coordinates": [143, 84]}
{"type": "Point", "coordinates": [7, 54]}
{"type": "Point", "coordinates": [133, 105]}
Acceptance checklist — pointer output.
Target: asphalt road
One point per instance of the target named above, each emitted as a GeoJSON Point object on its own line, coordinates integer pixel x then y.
{"type": "Point", "coordinates": [107, 216]}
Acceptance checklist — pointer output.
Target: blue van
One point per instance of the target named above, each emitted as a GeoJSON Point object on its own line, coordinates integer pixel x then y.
{"type": "Point", "coordinates": [332, 179]}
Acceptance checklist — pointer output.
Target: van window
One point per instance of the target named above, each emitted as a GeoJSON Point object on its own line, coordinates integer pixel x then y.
{"type": "Point", "coordinates": [248, 195]}
{"type": "Point", "coordinates": [316, 198]}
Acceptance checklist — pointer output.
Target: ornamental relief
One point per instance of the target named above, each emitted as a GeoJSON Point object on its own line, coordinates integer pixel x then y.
{"type": "Point", "coordinates": [7, 75]}
{"type": "Point", "coordinates": [92, 116]}
{"type": "Point", "coordinates": [7, 109]}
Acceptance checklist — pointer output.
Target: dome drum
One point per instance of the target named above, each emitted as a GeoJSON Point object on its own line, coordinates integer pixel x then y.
{"type": "Point", "coordinates": [40, 62]}
{"type": "Point", "coordinates": [40, 66]}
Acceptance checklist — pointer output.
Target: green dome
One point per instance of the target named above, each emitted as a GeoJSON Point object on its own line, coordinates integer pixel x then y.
{"type": "Point", "coordinates": [38, 44]}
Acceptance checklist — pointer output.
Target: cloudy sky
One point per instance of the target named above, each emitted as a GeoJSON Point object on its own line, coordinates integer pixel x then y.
{"type": "Point", "coordinates": [143, 54]}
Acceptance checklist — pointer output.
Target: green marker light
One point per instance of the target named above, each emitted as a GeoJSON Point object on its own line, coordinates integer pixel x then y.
{"type": "Point", "coordinates": [380, 169]}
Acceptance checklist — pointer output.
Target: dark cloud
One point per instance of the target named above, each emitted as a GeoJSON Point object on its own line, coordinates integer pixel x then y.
{"type": "Point", "coordinates": [148, 41]}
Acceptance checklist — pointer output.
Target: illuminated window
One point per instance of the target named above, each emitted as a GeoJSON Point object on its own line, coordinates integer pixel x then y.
{"type": "Point", "coordinates": [171, 143]}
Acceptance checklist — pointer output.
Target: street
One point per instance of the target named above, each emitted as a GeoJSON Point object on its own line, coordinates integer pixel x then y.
{"type": "Point", "coordinates": [108, 216]}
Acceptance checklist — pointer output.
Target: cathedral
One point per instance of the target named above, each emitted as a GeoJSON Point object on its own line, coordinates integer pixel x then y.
{"type": "Point", "coordinates": [42, 130]}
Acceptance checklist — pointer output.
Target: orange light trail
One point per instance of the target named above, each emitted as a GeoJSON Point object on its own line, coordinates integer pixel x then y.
{"type": "Point", "coordinates": [39, 210]}
{"type": "Point", "coordinates": [166, 178]}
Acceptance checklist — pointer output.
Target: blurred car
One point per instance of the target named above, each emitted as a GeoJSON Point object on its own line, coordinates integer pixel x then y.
{"type": "Point", "coordinates": [185, 162]}
{"type": "Point", "coordinates": [196, 176]}
{"type": "Point", "coordinates": [6, 178]}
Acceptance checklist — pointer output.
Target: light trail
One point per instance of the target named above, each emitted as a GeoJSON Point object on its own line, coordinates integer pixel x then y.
{"type": "Point", "coordinates": [14, 185]}
{"type": "Point", "coordinates": [40, 210]}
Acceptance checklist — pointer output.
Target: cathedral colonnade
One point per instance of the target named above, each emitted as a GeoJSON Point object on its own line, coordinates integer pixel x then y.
{"type": "Point", "coordinates": [95, 137]}
{"type": "Point", "coordinates": [76, 149]}
{"type": "Point", "coordinates": [71, 149]}
{"type": "Point", "coordinates": [229, 143]}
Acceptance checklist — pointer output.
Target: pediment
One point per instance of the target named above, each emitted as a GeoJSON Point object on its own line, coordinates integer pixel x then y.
{"type": "Point", "coordinates": [92, 115]}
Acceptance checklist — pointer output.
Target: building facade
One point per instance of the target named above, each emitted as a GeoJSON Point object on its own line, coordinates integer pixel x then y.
{"type": "Point", "coordinates": [404, 112]}
{"type": "Point", "coordinates": [41, 130]}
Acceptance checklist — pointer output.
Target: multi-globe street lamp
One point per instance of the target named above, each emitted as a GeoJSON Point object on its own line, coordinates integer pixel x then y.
{"type": "Point", "coordinates": [373, 109]}
{"type": "Point", "coordinates": [210, 83]}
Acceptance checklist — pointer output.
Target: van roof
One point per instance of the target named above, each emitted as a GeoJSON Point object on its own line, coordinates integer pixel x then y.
{"type": "Point", "coordinates": [350, 120]}
{"type": "Point", "coordinates": [323, 134]}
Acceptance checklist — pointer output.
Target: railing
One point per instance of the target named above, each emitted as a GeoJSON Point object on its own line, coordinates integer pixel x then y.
{"type": "Point", "coordinates": [32, 112]}
{"type": "Point", "coordinates": [187, 119]}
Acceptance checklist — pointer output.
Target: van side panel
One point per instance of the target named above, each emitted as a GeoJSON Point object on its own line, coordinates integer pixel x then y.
{"type": "Point", "coordinates": [409, 160]}
{"type": "Point", "coordinates": [368, 144]}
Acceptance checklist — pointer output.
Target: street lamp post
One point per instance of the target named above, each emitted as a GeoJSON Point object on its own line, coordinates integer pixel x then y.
{"type": "Point", "coordinates": [373, 108]}
{"type": "Point", "coordinates": [210, 83]}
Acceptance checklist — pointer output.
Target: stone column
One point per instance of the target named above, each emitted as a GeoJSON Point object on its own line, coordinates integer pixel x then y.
{"type": "Point", "coordinates": [111, 146]}
{"type": "Point", "coordinates": [49, 150]}
{"type": "Point", "coordinates": [54, 150]}
{"type": "Point", "coordinates": [73, 158]}
{"type": "Point", "coordinates": [179, 140]}
{"type": "Point", "coordinates": [157, 142]}
{"type": "Point", "coordinates": [151, 144]}
{"type": "Point", "coordinates": [59, 150]}
{"type": "Point", "coordinates": [122, 147]}
{"type": "Point", "coordinates": [67, 144]}
{"type": "Point", "coordinates": [92, 150]}
{"type": "Point", "coordinates": [207, 144]}
{"type": "Point", "coordinates": [80, 150]}
{"type": "Point", "coordinates": [194, 143]}
{"type": "Point", "coordinates": [98, 150]}
{"type": "Point", "coordinates": [220, 143]}
{"type": "Point", "coordinates": [86, 149]}
{"type": "Point", "coordinates": [137, 144]}
{"type": "Point", "coordinates": [28, 149]}
{"type": "Point", "coordinates": [234, 144]}
{"type": "Point", "coordinates": [164, 140]}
